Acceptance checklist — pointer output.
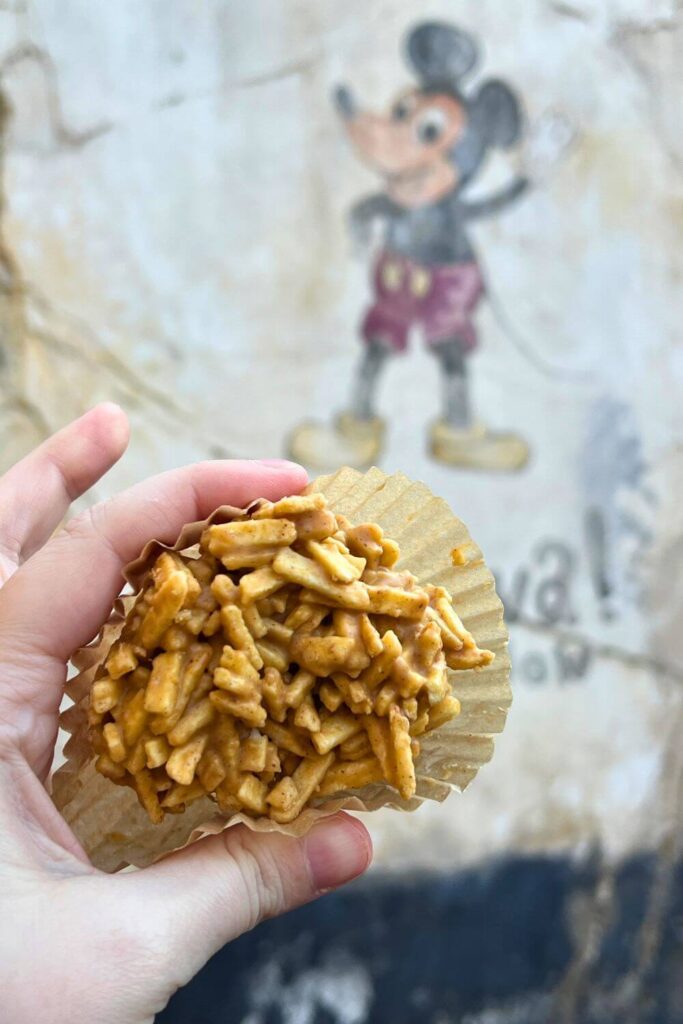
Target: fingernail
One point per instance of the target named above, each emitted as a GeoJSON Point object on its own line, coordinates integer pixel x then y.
{"type": "Point", "coordinates": [277, 463]}
{"type": "Point", "coordinates": [337, 850]}
{"type": "Point", "coordinates": [110, 407]}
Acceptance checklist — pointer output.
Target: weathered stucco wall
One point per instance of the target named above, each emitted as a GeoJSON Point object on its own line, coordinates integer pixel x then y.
{"type": "Point", "coordinates": [176, 185]}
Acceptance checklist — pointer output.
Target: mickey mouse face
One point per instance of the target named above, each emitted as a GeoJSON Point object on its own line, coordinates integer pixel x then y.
{"type": "Point", "coordinates": [418, 130]}
{"type": "Point", "coordinates": [433, 121]}
{"type": "Point", "coordinates": [435, 137]}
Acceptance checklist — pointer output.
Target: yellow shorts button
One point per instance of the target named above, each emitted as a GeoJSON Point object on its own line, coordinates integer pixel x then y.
{"type": "Point", "coordinates": [392, 275]}
{"type": "Point", "coordinates": [420, 282]}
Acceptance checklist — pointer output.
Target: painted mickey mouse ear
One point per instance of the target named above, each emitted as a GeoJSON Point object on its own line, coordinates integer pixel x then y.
{"type": "Point", "coordinates": [440, 53]}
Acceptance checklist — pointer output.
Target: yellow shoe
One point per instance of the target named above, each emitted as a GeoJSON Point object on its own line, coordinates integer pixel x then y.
{"type": "Point", "coordinates": [347, 442]}
{"type": "Point", "coordinates": [477, 448]}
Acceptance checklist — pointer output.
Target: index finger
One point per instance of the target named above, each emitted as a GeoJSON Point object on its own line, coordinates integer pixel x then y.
{"type": "Point", "coordinates": [59, 599]}
{"type": "Point", "coordinates": [36, 492]}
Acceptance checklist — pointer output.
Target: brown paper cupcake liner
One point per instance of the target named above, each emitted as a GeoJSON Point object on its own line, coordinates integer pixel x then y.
{"type": "Point", "coordinates": [109, 822]}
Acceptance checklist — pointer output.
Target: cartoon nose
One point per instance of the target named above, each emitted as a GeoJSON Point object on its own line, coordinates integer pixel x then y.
{"type": "Point", "coordinates": [344, 102]}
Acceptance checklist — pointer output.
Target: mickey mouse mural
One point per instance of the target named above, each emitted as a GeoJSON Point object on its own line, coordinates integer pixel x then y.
{"type": "Point", "coordinates": [428, 149]}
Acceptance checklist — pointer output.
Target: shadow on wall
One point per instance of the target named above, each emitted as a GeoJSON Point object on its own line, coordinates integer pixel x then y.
{"type": "Point", "coordinates": [526, 941]}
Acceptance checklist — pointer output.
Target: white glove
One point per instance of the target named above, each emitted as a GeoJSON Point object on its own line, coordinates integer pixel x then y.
{"type": "Point", "coordinates": [547, 141]}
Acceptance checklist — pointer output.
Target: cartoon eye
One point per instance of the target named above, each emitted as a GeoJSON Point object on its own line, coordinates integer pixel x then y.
{"type": "Point", "coordinates": [431, 125]}
{"type": "Point", "coordinates": [403, 108]}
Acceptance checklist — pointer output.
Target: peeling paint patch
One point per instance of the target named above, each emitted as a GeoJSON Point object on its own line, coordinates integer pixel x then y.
{"type": "Point", "coordinates": [341, 986]}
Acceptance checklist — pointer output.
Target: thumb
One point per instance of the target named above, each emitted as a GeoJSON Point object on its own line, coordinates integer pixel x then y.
{"type": "Point", "coordinates": [224, 885]}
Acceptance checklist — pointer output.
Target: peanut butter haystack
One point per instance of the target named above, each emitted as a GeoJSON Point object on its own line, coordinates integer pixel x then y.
{"type": "Point", "coordinates": [284, 662]}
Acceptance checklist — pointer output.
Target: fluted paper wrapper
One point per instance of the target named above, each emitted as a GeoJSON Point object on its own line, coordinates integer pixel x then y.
{"type": "Point", "coordinates": [108, 820]}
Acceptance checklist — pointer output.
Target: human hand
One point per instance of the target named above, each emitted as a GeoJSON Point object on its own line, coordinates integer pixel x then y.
{"type": "Point", "coordinates": [77, 945]}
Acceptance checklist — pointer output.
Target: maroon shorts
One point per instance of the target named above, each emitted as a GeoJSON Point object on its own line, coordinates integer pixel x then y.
{"type": "Point", "coordinates": [439, 299]}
